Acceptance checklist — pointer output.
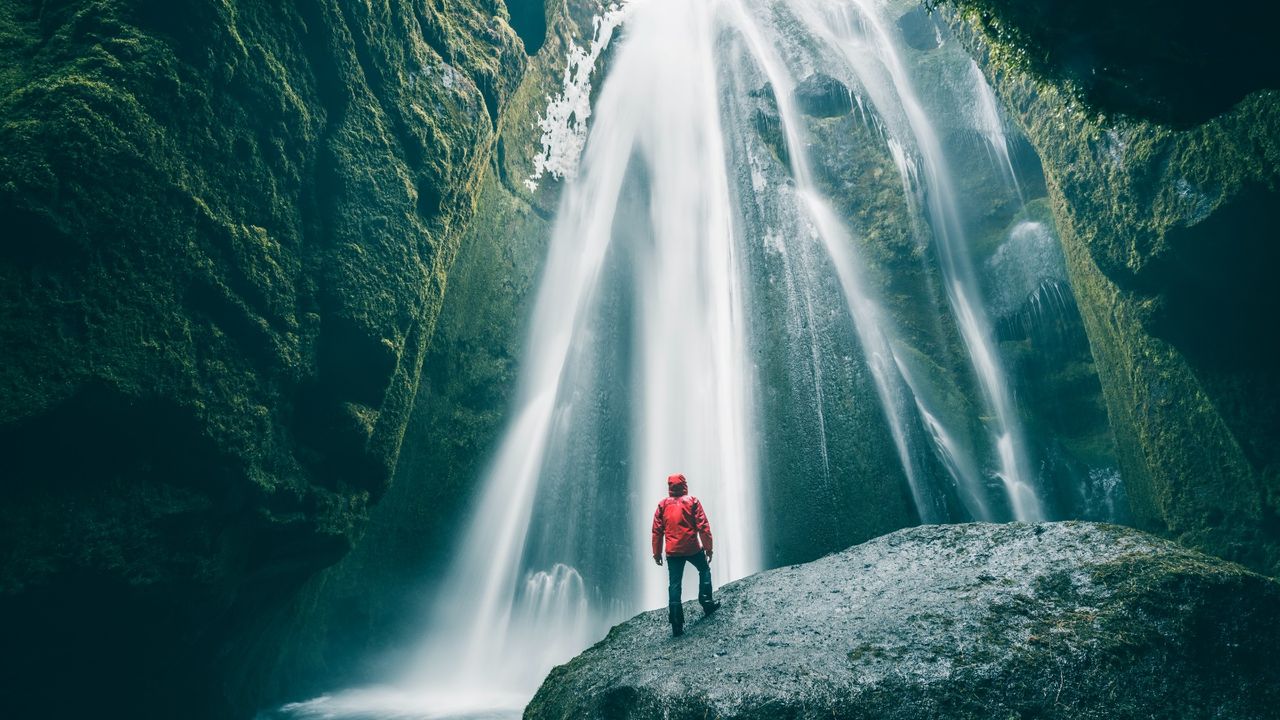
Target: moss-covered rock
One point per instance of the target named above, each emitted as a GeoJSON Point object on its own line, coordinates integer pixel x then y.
{"type": "Point", "coordinates": [1056, 620]}
{"type": "Point", "coordinates": [1169, 241]}
{"type": "Point", "coordinates": [227, 232]}
{"type": "Point", "coordinates": [355, 622]}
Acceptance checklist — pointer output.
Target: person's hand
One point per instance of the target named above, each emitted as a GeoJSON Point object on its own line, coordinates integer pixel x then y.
{"type": "Point", "coordinates": [657, 559]}
{"type": "Point", "coordinates": [708, 554]}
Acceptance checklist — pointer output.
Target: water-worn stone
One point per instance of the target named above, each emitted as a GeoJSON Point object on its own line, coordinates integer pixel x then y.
{"type": "Point", "coordinates": [1055, 620]}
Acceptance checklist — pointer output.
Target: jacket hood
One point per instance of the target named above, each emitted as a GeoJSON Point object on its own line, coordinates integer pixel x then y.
{"type": "Point", "coordinates": [676, 485]}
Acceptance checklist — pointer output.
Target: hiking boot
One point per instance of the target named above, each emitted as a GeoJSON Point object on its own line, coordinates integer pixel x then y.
{"type": "Point", "coordinates": [709, 605]}
{"type": "Point", "coordinates": [675, 613]}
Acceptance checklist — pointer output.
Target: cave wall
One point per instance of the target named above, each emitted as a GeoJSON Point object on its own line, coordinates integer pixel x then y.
{"type": "Point", "coordinates": [1169, 234]}
{"type": "Point", "coordinates": [361, 620]}
{"type": "Point", "coordinates": [227, 228]}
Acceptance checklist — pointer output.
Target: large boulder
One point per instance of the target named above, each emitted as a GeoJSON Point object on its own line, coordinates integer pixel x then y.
{"type": "Point", "coordinates": [1055, 620]}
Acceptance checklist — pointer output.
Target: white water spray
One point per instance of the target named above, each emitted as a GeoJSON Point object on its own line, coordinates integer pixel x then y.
{"type": "Point", "coordinates": [990, 124]}
{"type": "Point", "coordinates": [651, 192]}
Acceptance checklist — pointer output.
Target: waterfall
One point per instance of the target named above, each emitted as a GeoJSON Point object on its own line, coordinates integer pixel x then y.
{"type": "Point", "coordinates": [641, 353]}
{"type": "Point", "coordinates": [988, 121]}
{"type": "Point", "coordinates": [855, 32]}
{"type": "Point", "coordinates": [639, 322]}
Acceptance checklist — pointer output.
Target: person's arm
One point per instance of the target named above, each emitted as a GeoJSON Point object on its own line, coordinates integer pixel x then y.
{"type": "Point", "coordinates": [659, 529]}
{"type": "Point", "coordinates": [704, 527]}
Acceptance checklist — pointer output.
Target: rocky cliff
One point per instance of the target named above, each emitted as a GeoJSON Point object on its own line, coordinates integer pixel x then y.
{"type": "Point", "coordinates": [1058, 620]}
{"type": "Point", "coordinates": [1169, 240]}
{"type": "Point", "coordinates": [227, 232]}
{"type": "Point", "coordinates": [356, 621]}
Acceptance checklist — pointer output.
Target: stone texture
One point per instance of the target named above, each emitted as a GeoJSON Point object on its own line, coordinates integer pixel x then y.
{"type": "Point", "coordinates": [227, 232]}
{"type": "Point", "coordinates": [823, 96]}
{"type": "Point", "coordinates": [355, 621]}
{"type": "Point", "coordinates": [1056, 620]}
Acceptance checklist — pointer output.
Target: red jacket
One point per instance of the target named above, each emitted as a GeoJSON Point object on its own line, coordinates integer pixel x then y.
{"type": "Point", "coordinates": [681, 521]}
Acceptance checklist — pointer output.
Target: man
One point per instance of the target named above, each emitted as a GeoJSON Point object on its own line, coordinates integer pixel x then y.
{"type": "Point", "coordinates": [681, 521]}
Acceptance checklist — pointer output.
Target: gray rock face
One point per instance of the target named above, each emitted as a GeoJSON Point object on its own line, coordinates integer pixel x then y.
{"type": "Point", "coordinates": [823, 96]}
{"type": "Point", "coordinates": [919, 30]}
{"type": "Point", "coordinates": [1057, 620]}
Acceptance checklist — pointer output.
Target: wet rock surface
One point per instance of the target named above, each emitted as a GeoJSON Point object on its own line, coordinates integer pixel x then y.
{"type": "Point", "coordinates": [350, 618]}
{"type": "Point", "coordinates": [1055, 620]}
{"type": "Point", "coordinates": [919, 29]}
{"type": "Point", "coordinates": [823, 96]}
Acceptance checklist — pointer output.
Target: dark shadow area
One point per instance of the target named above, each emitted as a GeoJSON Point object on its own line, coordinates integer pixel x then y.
{"type": "Point", "coordinates": [1178, 63]}
{"type": "Point", "coordinates": [1219, 309]}
{"type": "Point", "coordinates": [108, 498]}
{"type": "Point", "coordinates": [354, 363]}
{"type": "Point", "coordinates": [100, 435]}
{"type": "Point", "coordinates": [529, 20]}
{"type": "Point", "coordinates": [333, 417]}
{"type": "Point", "coordinates": [133, 576]}
{"type": "Point", "coordinates": [32, 237]}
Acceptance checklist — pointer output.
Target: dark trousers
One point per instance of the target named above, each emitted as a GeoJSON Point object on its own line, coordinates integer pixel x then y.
{"type": "Point", "coordinates": [675, 573]}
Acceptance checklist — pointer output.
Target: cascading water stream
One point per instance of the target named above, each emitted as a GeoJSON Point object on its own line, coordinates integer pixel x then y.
{"type": "Point", "coordinates": [856, 31]}
{"type": "Point", "coordinates": [988, 121]}
{"type": "Point", "coordinates": [648, 215]}
{"type": "Point", "coordinates": [696, 412]}
{"type": "Point", "coordinates": [874, 329]}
